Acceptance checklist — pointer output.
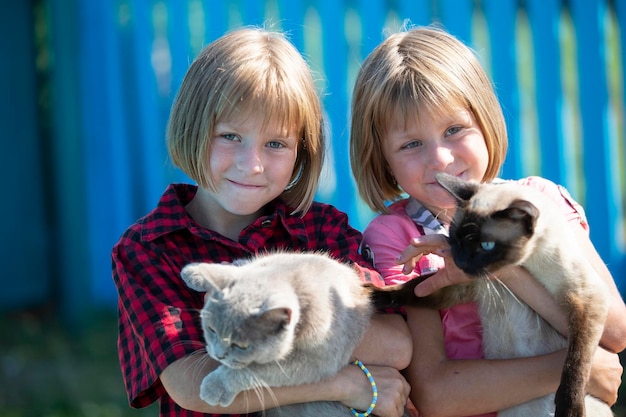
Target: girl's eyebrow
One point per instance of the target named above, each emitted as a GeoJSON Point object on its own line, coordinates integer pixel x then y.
{"type": "Point", "coordinates": [284, 136]}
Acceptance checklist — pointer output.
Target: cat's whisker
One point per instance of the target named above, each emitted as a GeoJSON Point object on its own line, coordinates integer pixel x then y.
{"type": "Point", "coordinates": [279, 366]}
{"type": "Point", "coordinates": [489, 286]}
{"type": "Point", "coordinates": [198, 367]}
{"type": "Point", "coordinates": [443, 213]}
{"type": "Point", "coordinates": [260, 388]}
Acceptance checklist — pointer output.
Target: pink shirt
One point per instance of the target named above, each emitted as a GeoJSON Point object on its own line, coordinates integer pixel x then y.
{"type": "Point", "coordinates": [388, 234]}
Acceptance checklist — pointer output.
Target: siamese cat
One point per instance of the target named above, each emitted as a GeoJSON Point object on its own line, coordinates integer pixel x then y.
{"type": "Point", "coordinates": [279, 319]}
{"type": "Point", "coordinates": [506, 223]}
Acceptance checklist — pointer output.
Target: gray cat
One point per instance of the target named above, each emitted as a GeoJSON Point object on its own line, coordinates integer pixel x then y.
{"type": "Point", "coordinates": [276, 320]}
{"type": "Point", "coordinates": [507, 223]}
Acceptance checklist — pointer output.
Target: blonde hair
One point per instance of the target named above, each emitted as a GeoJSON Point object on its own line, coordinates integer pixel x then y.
{"type": "Point", "coordinates": [427, 70]}
{"type": "Point", "coordinates": [244, 73]}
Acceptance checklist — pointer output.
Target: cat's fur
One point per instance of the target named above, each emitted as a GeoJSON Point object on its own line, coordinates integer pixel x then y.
{"type": "Point", "coordinates": [507, 223]}
{"type": "Point", "coordinates": [279, 319]}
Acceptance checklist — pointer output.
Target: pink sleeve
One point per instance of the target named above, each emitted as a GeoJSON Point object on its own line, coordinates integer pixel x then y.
{"type": "Point", "coordinates": [386, 237]}
{"type": "Point", "coordinates": [573, 212]}
{"type": "Point", "coordinates": [383, 240]}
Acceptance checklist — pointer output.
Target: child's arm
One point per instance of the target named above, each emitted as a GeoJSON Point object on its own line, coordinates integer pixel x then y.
{"type": "Point", "coordinates": [182, 379]}
{"type": "Point", "coordinates": [386, 343]}
{"type": "Point", "coordinates": [614, 336]}
{"type": "Point", "coordinates": [444, 387]}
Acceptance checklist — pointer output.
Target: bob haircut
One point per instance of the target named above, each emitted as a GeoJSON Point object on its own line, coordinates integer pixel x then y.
{"type": "Point", "coordinates": [423, 70]}
{"type": "Point", "coordinates": [247, 73]}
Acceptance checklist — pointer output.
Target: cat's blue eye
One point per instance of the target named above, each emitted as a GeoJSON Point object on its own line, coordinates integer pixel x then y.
{"type": "Point", "coordinates": [488, 245]}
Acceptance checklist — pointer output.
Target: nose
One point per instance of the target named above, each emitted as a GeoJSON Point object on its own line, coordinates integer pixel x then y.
{"type": "Point", "coordinates": [250, 160]}
{"type": "Point", "coordinates": [441, 156]}
{"type": "Point", "coordinates": [218, 352]}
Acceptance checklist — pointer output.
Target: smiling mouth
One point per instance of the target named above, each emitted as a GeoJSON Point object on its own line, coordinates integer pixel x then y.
{"type": "Point", "coordinates": [239, 184]}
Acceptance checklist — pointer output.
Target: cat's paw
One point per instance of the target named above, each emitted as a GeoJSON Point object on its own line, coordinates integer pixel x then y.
{"type": "Point", "coordinates": [215, 392]}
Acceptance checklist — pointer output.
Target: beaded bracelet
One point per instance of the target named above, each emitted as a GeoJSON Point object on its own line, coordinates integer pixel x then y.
{"type": "Point", "coordinates": [369, 376]}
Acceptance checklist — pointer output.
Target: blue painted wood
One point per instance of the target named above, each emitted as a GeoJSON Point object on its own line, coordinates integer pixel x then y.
{"type": "Point", "coordinates": [292, 22]}
{"type": "Point", "coordinates": [501, 22]}
{"type": "Point", "coordinates": [620, 11]}
{"type": "Point", "coordinates": [456, 18]}
{"type": "Point", "coordinates": [70, 200]}
{"type": "Point", "coordinates": [108, 164]}
{"type": "Point", "coordinates": [216, 19]}
{"type": "Point", "coordinates": [413, 12]}
{"type": "Point", "coordinates": [253, 12]}
{"type": "Point", "coordinates": [418, 12]}
{"type": "Point", "coordinates": [593, 102]}
{"type": "Point", "coordinates": [141, 65]}
{"type": "Point", "coordinates": [26, 251]}
{"type": "Point", "coordinates": [372, 24]}
{"type": "Point", "coordinates": [178, 41]}
{"type": "Point", "coordinates": [543, 17]}
{"type": "Point", "coordinates": [335, 100]}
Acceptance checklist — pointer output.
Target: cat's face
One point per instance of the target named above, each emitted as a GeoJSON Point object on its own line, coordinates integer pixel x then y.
{"type": "Point", "coordinates": [492, 226]}
{"type": "Point", "coordinates": [483, 243]}
{"type": "Point", "coordinates": [243, 319]}
{"type": "Point", "coordinates": [237, 337]}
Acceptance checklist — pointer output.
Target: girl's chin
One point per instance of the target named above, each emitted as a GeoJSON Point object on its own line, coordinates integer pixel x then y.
{"type": "Point", "coordinates": [442, 200]}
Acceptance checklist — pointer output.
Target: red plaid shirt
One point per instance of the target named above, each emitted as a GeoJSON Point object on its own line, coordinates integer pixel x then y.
{"type": "Point", "coordinates": [158, 318]}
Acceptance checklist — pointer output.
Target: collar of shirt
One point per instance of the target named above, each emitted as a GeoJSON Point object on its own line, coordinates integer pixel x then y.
{"type": "Point", "coordinates": [171, 216]}
{"type": "Point", "coordinates": [424, 218]}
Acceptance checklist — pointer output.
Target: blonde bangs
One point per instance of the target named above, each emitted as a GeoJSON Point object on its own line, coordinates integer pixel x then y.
{"type": "Point", "coordinates": [258, 93]}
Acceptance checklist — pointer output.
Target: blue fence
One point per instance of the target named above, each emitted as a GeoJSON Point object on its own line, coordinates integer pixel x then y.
{"type": "Point", "coordinates": [557, 67]}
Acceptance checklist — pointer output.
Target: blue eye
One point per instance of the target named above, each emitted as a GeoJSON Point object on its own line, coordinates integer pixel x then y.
{"type": "Point", "coordinates": [488, 245]}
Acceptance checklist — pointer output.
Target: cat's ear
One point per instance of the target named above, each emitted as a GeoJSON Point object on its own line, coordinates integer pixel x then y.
{"type": "Point", "coordinates": [202, 276]}
{"type": "Point", "coordinates": [524, 211]}
{"type": "Point", "coordinates": [276, 319]}
{"type": "Point", "coordinates": [460, 189]}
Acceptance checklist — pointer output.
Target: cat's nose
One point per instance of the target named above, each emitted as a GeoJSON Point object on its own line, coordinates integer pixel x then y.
{"type": "Point", "coordinates": [220, 354]}
{"type": "Point", "coordinates": [216, 354]}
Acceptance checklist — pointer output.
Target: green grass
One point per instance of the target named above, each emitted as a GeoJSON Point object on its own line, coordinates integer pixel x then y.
{"type": "Point", "coordinates": [46, 372]}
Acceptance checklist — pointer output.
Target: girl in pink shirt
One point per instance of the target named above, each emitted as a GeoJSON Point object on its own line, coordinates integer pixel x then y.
{"type": "Point", "coordinates": [422, 104]}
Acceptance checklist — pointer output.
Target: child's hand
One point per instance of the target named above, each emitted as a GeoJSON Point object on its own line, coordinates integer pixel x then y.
{"type": "Point", "coordinates": [420, 246]}
{"type": "Point", "coordinates": [606, 376]}
{"type": "Point", "coordinates": [438, 245]}
{"type": "Point", "coordinates": [393, 390]}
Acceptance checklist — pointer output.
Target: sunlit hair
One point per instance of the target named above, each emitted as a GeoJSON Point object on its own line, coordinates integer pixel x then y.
{"type": "Point", "coordinates": [250, 72]}
{"type": "Point", "coordinates": [425, 71]}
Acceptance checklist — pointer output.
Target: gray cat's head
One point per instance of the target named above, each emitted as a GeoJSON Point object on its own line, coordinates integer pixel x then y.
{"type": "Point", "coordinates": [243, 320]}
{"type": "Point", "coordinates": [493, 226]}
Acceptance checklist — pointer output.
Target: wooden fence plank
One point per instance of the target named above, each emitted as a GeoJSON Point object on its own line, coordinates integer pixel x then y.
{"type": "Point", "coordinates": [593, 103]}
{"type": "Point", "coordinates": [501, 21]}
{"type": "Point", "coordinates": [544, 18]}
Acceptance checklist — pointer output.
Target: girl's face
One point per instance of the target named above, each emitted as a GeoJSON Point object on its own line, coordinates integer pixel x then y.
{"type": "Point", "coordinates": [251, 164]}
{"type": "Point", "coordinates": [425, 145]}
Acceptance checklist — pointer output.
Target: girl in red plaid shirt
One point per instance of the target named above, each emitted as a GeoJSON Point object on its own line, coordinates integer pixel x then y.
{"type": "Point", "coordinates": [246, 126]}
